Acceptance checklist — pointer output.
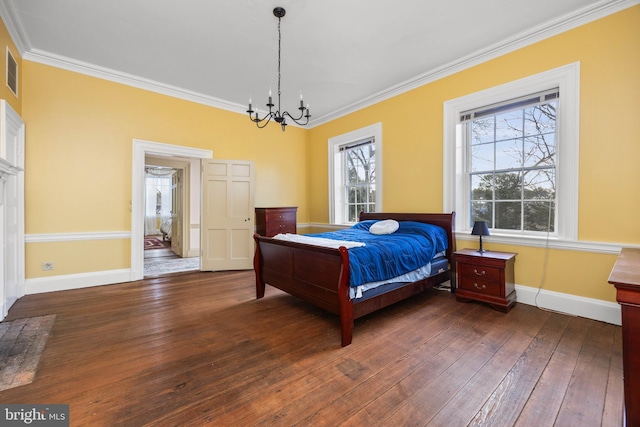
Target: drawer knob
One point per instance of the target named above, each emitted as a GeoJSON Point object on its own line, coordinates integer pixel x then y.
{"type": "Point", "coordinates": [480, 287]}
{"type": "Point", "coordinates": [482, 273]}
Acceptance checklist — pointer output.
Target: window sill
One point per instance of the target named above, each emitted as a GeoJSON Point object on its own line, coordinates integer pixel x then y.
{"type": "Point", "coordinates": [552, 242]}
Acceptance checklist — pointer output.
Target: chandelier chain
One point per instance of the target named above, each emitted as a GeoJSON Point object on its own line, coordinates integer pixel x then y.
{"type": "Point", "coordinates": [277, 115]}
{"type": "Point", "coordinates": [279, 50]}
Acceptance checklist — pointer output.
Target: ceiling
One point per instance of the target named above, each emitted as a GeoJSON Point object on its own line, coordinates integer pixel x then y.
{"type": "Point", "coordinates": [342, 55]}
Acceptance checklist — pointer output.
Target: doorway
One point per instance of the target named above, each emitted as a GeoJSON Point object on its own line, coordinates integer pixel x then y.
{"type": "Point", "coordinates": [167, 155]}
{"type": "Point", "coordinates": [166, 213]}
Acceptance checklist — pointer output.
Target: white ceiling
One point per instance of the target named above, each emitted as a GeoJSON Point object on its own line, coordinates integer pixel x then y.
{"type": "Point", "coordinates": [342, 55]}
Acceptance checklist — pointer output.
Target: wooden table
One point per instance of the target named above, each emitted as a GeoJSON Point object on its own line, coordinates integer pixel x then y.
{"type": "Point", "coordinates": [626, 278]}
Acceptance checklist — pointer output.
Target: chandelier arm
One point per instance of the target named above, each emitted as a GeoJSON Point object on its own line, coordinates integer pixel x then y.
{"type": "Point", "coordinates": [267, 118]}
{"type": "Point", "coordinates": [297, 120]}
{"type": "Point", "coordinates": [257, 121]}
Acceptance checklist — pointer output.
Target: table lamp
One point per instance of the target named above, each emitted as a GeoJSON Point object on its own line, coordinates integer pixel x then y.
{"type": "Point", "coordinates": [480, 229]}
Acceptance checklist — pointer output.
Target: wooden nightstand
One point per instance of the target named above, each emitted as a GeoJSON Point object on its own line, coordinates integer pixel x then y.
{"type": "Point", "coordinates": [487, 277]}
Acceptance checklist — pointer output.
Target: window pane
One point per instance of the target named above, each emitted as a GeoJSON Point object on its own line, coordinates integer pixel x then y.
{"type": "Point", "coordinates": [509, 154]}
{"type": "Point", "coordinates": [482, 211]}
{"type": "Point", "coordinates": [540, 150]}
{"type": "Point", "coordinates": [482, 130]}
{"type": "Point", "coordinates": [482, 187]}
{"type": "Point", "coordinates": [353, 215]}
{"type": "Point", "coordinates": [540, 119]}
{"type": "Point", "coordinates": [540, 184]}
{"type": "Point", "coordinates": [508, 186]}
{"type": "Point", "coordinates": [509, 125]}
{"type": "Point", "coordinates": [482, 157]}
{"type": "Point", "coordinates": [538, 216]}
{"type": "Point", "coordinates": [508, 215]}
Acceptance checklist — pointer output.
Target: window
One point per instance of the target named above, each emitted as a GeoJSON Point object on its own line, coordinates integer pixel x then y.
{"type": "Point", "coordinates": [511, 163]}
{"type": "Point", "coordinates": [355, 174]}
{"type": "Point", "coordinates": [511, 156]}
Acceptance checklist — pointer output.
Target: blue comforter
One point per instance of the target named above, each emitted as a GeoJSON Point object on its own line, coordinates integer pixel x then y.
{"type": "Point", "coordinates": [386, 256]}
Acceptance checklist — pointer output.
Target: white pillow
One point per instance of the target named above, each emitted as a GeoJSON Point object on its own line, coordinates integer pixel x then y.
{"type": "Point", "coordinates": [386, 226]}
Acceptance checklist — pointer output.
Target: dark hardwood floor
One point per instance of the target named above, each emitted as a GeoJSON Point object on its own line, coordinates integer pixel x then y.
{"type": "Point", "coordinates": [199, 348]}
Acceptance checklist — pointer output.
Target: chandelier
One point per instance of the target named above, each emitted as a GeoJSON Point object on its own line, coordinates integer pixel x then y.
{"type": "Point", "coordinates": [277, 116]}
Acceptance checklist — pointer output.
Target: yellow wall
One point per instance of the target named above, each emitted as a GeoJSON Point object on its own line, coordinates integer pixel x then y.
{"type": "Point", "coordinates": [79, 153]}
{"type": "Point", "coordinates": [609, 54]}
{"type": "Point", "coordinates": [80, 130]}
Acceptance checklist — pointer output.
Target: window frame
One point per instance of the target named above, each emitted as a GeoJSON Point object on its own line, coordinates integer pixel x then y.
{"type": "Point", "coordinates": [455, 189]}
{"type": "Point", "coordinates": [336, 169]}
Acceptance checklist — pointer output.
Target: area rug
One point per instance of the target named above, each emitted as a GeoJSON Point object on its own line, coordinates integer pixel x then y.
{"type": "Point", "coordinates": [155, 243]}
{"type": "Point", "coordinates": [160, 266]}
{"type": "Point", "coordinates": [21, 344]}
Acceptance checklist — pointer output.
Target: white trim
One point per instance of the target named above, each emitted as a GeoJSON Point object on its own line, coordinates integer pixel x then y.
{"type": "Point", "coordinates": [12, 248]}
{"type": "Point", "coordinates": [69, 237]}
{"type": "Point", "coordinates": [372, 131]}
{"type": "Point", "coordinates": [567, 78]}
{"type": "Point", "coordinates": [554, 27]}
{"type": "Point", "coordinates": [8, 167]}
{"type": "Point", "coordinates": [140, 149]}
{"type": "Point", "coordinates": [76, 281]}
{"type": "Point", "coordinates": [570, 245]}
{"type": "Point", "coordinates": [14, 27]}
{"type": "Point", "coordinates": [590, 308]}
{"type": "Point", "coordinates": [531, 36]}
{"type": "Point", "coordinates": [573, 305]}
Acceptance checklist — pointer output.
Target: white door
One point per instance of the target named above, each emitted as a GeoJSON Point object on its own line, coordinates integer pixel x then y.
{"type": "Point", "coordinates": [227, 223]}
{"type": "Point", "coordinates": [176, 213]}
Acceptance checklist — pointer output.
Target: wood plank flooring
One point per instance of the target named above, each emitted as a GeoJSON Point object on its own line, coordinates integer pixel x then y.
{"type": "Point", "coordinates": [199, 349]}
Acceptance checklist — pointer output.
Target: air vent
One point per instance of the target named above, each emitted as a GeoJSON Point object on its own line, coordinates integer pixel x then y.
{"type": "Point", "coordinates": [12, 73]}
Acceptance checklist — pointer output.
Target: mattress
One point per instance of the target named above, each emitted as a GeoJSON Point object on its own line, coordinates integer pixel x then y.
{"type": "Point", "coordinates": [440, 264]}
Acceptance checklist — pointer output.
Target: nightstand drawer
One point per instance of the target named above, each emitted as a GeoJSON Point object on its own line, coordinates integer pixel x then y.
{"type": "Point", "coordinates": [479, 272]}
{"type": "Point", "coordinates": [480, 286]}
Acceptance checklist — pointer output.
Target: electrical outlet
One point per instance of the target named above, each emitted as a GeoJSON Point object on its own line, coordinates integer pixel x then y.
{"type": "Point", "coordinates": [48, 266]}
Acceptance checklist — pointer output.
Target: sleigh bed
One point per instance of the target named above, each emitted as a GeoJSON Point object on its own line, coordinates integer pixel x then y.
{"type": "Point", "coordinates": [321, 275]}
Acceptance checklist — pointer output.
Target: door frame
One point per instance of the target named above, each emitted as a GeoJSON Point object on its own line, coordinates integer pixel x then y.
{"type": "Point", "coordinates": [12, 253]}
{"type": "Point", "coordinates": [141, 149]}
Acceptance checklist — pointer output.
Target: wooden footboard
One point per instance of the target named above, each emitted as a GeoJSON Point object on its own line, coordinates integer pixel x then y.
{"type": "Point", "coordinates": [320, 275]}
{"type": "Point", "coordinates": [317, 275]}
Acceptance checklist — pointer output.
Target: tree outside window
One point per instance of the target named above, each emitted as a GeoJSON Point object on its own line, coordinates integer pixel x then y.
{"type": "Point", "coordinates": [360, 181]}
{"type": "Point", "coordinates": [512, 168]}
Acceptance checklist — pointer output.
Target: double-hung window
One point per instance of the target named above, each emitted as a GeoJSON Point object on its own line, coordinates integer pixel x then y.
{"type": "Point", "coordinates": [511, 157]}
{"type": "Point", "coordinates": [354, 171]}
{"type": "Point", "coordinates": [510, 164]}
{"type": "Point", "coordinates": [359, 180]}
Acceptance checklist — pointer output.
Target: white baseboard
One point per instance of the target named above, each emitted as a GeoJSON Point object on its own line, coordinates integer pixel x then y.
{"type": "Point", "coordinates": [589, 308]}
{"type": "Point", "coordinates": [76, 281]}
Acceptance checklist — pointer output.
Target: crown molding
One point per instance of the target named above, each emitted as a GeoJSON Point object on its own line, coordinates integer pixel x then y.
{"type": "Point", "coordinates": [97, 71]}
{"type": "Point", "coordinates": [533, 35]}
{"type": "Point", "coordinates": [526, 38]}
{"type": "Point", "coordinates": [14, 27]}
